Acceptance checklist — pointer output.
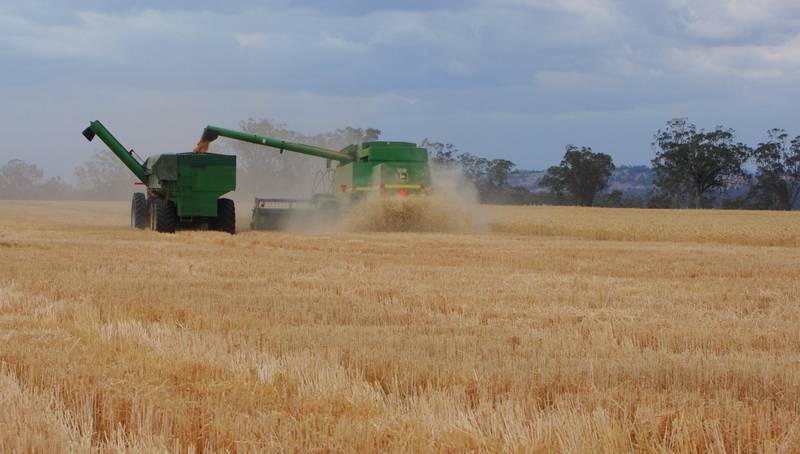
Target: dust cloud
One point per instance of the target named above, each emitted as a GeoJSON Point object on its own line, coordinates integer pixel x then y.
{"type": "Point", "coordinates": [452, 207]}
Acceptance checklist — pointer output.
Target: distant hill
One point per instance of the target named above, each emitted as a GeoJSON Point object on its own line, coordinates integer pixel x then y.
{"type": "Point", "coordinates": [528, 179]}
{"type": "Point", "coordinates": [631, 180]}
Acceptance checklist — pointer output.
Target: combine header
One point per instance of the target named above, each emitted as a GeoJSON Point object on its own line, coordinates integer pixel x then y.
{"type": "Point", "coordinates": [183, 189]}
{"type": "Point", "coordinates": [389, 169]}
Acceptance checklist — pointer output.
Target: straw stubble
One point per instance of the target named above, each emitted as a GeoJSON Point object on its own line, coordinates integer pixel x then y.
{"type": "Point", "coordinates": [561, 329]}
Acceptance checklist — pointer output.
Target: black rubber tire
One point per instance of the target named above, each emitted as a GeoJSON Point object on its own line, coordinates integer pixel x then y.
{"type": "Point", "coordinates": [139, 215]}
{"type": "Point", "coordinates": [226, 216]}
{"type": "Point", "coordinates": [166, 216]}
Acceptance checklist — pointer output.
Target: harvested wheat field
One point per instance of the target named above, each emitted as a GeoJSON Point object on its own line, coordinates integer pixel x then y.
{"type": "Point", "coordinates": [555, 329]}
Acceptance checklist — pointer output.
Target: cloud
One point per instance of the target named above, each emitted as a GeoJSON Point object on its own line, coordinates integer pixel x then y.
{"type": "Point", "coordinates": [499, 42]}
{"type": "Point", "coordinates": [452, 70]}
{"type": "Point", "coordinates": [335, 41]}
{"type": "Point", "coordinates": [251, 39]}
{"type": "Point", "coordinates": [732, 21]}
{"type": "Point", "coordinates": [94, 35]}
{"type": "Point", "coordinates": [752, 61]}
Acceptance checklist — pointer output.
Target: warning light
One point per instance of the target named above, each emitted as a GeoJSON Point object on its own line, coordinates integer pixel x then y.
{"type": "Point", "coordinates": [402, 193]}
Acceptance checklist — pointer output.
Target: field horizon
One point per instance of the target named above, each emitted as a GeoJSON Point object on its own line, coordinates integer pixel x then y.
{"type": "Point", "coordinates": [555, 329]}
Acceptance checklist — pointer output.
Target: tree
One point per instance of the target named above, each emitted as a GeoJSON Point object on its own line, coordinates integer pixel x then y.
{"type": "Point", "coordinates": [19, 180]}
{"type": "Point", "coordinates": [582, 173]}
{"type": "Point", "coordinates": [691, 163]}
{"type": "Point", "coordinates": [611, 200]}
{"type": "Point", "coordinates": [778, 174]}
{"type": "Point", "coordinates": [489, 176]}
{"type": "Point", "coordinates": [55, 188]}
{"type": "Point", "coordinates": [475, 169]}
{"type": "Point", "coordinates": [497, 172]}
{"type": "Point", "coordinates": [104, 176]}
{"type": "Point", "coordinates": [441, 154]}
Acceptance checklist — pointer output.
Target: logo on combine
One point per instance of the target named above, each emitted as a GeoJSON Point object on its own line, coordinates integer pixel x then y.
{"type": "Point", "coordinates": [402, 174]}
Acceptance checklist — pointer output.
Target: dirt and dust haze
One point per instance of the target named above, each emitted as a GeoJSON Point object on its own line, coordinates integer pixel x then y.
{"type": "Point", "coordinates": [452, 207]}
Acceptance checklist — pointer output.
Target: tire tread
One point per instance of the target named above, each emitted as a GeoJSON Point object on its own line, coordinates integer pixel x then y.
{"type": "Point", "coordinates": [139, 215]}
{"type": "Point", "coordinates": [226, 216]}
{"type": "Point", "coordinates": [166, 216]}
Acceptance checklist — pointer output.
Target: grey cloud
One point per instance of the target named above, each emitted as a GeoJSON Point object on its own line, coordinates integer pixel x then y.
{"type": "Point", "coordinates": [543, 71]}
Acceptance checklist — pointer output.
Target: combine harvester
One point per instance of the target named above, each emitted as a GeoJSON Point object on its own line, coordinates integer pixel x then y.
{"type": "Point", "coordinates": [183, 189]}
{"type": "Point", "coordinates": [388, 169]}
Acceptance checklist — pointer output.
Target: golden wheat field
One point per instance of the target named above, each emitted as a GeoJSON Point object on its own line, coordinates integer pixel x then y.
{"type": "Point", "coordinates": [555, 329]}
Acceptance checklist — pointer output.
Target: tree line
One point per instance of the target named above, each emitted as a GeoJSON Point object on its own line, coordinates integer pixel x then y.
{"type": "Point", "coordinates": [691, 168]}
{"type": "Point", "coordinates": [101, 177]}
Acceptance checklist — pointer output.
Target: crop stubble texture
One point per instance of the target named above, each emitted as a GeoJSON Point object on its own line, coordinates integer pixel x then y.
{"type": "Point", "coordinates": [560, 329]}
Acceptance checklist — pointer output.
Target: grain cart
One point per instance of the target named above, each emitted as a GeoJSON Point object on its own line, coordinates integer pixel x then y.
{"type": "Point", "coordinates": [391, 169]}
{"type": "Point", "coordinates": [183, 189]}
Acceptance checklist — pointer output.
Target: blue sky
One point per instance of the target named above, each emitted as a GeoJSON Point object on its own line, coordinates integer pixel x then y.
{"type": "Point", "coordinates": [514, 79]}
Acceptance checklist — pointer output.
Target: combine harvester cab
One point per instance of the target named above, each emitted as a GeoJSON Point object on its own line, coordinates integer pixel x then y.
{"type": "Point", "coordinates": [183, 189]}
{"type": "Point", "coordinates": [389, 169]}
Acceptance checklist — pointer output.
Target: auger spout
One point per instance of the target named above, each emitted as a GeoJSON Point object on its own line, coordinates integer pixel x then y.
{"type": "Point", "coordinates": [97, 129]}
{"type": "Point", "coordinates": [211, 133]}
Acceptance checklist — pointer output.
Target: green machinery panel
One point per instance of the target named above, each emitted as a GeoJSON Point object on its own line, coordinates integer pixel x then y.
{"type": "Point", "coordinates": [388, 151]}
{"type": "Point", "coordinates": [193, 181]}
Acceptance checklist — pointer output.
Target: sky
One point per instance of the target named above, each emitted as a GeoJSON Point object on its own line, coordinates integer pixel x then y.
{"type": "Point", "coordinates": [511, 79]}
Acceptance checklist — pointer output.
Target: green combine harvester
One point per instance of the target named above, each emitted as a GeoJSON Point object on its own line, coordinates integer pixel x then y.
{"type": "Point", "coordinates": [183, 189]}
{"type": "Point", "coordinates": [388, 169]}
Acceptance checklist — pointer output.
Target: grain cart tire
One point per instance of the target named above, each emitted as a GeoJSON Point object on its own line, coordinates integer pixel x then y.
{"type": "Point", "coordinates": [166, 216]}
{"type": "Point", "coordinates": [226, 216]}
{"type": "Point", "coordinates": [139, 215]}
